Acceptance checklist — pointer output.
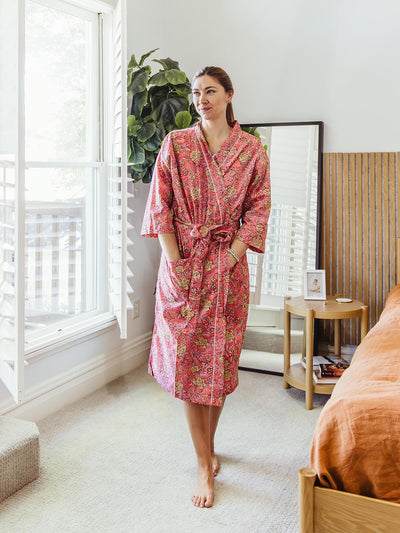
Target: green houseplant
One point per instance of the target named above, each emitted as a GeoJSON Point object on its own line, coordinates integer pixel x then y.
{"type": "Point", "coordinates": [159, 104]}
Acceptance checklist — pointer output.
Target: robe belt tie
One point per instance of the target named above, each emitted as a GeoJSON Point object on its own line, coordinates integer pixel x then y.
{"type": "Point", "coordinates": [208, 232]}
{"type": "Point", "coordinates": [204, 234]}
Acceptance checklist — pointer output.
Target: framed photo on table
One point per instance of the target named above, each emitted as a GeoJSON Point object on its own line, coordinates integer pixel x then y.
{"type": "Point", "coordinates": [314, 285]}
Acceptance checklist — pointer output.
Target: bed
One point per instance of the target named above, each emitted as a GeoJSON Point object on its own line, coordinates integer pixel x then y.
{"type": "Point", "coordinates": [353, 484]}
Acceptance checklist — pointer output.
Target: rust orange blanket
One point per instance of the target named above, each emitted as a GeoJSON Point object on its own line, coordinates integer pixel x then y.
{"type": "Point", "coordinates": [356, 444]}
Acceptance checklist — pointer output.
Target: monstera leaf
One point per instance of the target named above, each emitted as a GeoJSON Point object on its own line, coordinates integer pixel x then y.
{"type": "Point", "coordinates": [175, 76]}
{"type": "Point", "coordinates": [137, 153]}
{"type": "Point", "coordinates": [160, 103]}
{"type": "Point", "coordinates": [167, 63]}
{"type": "Point", "coordinates": [139, 81]}
{"type": "Point", "coordinates": [146, 131]}
{"type": "Point", "coordinates": [167, 109]}
{"type": "Point", "coordinates": [183, 119]}
{"type": "Point", "coordinates": [159, 79]}
{"type": "Point", "coordinates": [139, 102]}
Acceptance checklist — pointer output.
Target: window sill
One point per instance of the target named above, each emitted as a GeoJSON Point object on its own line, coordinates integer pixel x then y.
{"type": "Point", "coordinates": [265, 307]}
{"type": "Point", "coordinates": [69, 336]}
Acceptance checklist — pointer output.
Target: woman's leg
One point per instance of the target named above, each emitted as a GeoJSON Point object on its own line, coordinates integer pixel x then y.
{"type": "Point", "coordinates": [215, 414]}
{"type": "Point", "coordinates": [199, 421]}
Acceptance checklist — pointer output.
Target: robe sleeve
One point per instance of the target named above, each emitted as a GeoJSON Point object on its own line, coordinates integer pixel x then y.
{"type": "Point", "coordinates": [257, 204]}
{"type": "Point", "coordinates": [158, 217]}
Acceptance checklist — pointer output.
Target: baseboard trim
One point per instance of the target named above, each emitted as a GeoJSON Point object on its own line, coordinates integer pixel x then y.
{"type": "Point", "coordinates": [70, 386]}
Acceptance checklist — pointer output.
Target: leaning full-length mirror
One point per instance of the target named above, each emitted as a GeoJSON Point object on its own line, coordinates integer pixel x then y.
{"type": "Point", "coordinates": [292, 245]}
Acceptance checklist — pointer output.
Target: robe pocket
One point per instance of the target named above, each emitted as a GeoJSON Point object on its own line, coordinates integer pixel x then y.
{"type": "Point", "coordinates": [180, 272]}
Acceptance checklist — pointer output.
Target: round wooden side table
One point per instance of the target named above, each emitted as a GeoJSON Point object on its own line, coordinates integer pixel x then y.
{"type": "Point", "coordinates": [295, 375]}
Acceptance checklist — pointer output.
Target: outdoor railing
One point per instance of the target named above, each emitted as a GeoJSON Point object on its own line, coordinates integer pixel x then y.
{"type": "Point", "coordinates": [55, 270]}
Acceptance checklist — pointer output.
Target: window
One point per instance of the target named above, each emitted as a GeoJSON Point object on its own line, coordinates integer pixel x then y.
{"type": "Point", "coordinates": [64, 217]}
{"type": "Point", "coordinates": [62, 201]}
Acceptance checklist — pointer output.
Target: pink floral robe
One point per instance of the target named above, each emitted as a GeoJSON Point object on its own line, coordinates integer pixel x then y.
{"type": "Point", "coordinates": [201, 305]}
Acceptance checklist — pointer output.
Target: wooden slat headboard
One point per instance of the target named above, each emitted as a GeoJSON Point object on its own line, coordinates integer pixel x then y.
{"type": "Point", "coordinates": [360, 221]}
{"type": "Point", "coordinates": [398, 261]}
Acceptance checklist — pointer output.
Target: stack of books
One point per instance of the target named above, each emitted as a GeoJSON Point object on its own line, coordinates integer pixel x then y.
{"type": "Point", "coordinates": [327, 369]}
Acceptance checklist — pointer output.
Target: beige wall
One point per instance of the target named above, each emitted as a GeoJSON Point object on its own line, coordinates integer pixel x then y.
{"type": "Point", "coordinates": [290, 60]}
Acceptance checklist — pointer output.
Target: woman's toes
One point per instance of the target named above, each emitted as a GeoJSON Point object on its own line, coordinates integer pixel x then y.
{"type": "Point", "coordinates": [204, 492]}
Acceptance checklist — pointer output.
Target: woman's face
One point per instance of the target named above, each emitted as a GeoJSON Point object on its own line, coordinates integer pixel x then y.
{"type": "Point", "coordinates": [210, 98]}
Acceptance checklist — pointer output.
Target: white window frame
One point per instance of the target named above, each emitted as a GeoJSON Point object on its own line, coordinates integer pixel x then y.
{"type": "Point", "coordinates": [89, 324]}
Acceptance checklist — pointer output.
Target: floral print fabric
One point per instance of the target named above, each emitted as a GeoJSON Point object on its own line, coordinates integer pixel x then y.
{"type": "Point", "coordinates": [201, 304]}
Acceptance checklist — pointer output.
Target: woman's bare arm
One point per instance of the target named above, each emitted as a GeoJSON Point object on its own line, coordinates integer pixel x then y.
{"type": "Point", "coordinates": [240, 248]}
{"type": "Point", "coordinates": [169, 245]}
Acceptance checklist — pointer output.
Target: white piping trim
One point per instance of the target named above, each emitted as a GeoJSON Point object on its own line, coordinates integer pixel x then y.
{"type": "Point", "coordinates": [215, 189]}
{"type": "Point", "coordinates": [215, 321]}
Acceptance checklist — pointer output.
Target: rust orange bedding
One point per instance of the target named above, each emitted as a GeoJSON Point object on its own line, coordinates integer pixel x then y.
{"type": "Point", "coordinates": [356, 443]}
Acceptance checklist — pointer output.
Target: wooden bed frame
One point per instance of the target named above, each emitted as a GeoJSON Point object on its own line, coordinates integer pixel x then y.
{"type": "Point", "coordinates": [332, 511]}
{"type": "Point", "coordinates": [325, 510]}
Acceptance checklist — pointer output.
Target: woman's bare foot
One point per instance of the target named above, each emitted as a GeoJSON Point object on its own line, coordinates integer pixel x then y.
{"type": "Point", "coordinates": [214, 463]}
{"type": "Point", "coordinates": [204, 492]}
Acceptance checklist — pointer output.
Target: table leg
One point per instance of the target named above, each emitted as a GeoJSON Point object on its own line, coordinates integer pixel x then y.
{"type": "Point", "coordinates": [364, 321]}
{"type": "Point", "coordinates": [337, 337]}
{"type": "Point", "coordinates": [286, 345]}
{"type": "Point", "coordinates": [309, 358]}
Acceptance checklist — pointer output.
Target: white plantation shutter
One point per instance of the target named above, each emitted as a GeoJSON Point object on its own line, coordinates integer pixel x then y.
{"type": "Point", "coordinates": [12, 179]}
{"type": "Point", "coordinates": [119, 228]}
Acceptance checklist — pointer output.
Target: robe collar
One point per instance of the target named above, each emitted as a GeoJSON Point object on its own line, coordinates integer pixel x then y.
{"type": "Point", "coordinates": [223, 157]}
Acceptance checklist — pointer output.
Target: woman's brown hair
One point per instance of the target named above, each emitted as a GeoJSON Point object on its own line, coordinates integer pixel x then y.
{"type": "Point", "coordinates": [224, 80]}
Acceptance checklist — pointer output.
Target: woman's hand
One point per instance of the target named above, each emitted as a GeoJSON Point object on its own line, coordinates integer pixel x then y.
{"type": "Point", "coordinates": [239, 248]}
{"type": "Point", "coordinates": [232, 261]}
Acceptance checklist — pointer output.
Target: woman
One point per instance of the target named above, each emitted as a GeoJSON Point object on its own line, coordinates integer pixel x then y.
{"type": "Point", "coordinates": [209, 201]}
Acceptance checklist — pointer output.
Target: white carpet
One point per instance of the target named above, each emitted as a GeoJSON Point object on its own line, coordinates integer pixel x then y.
{"type": "Point", "coordinates": [121, 460]}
